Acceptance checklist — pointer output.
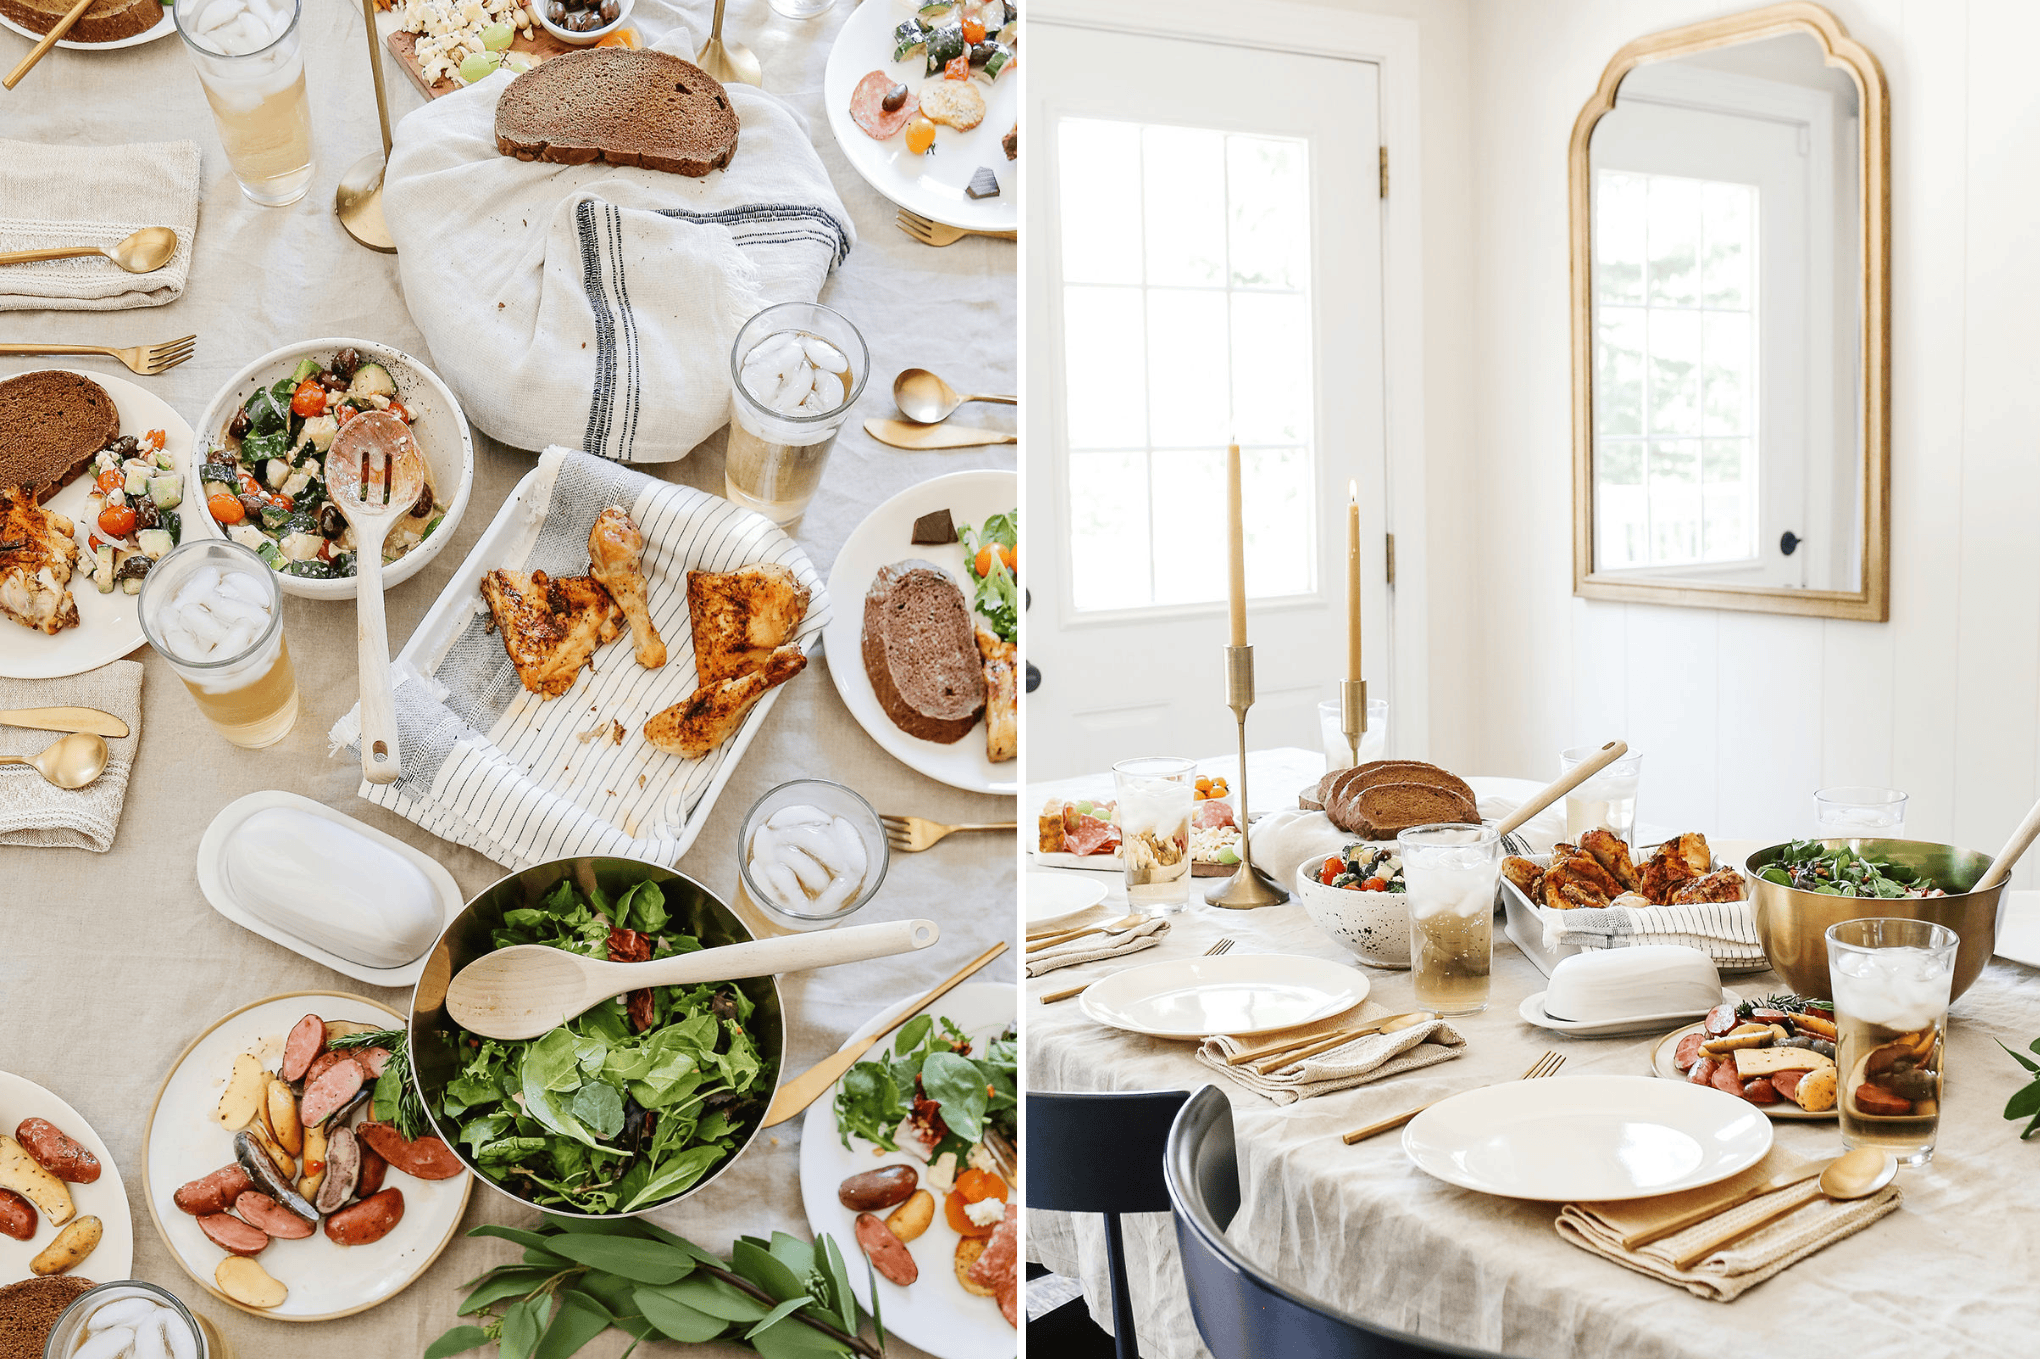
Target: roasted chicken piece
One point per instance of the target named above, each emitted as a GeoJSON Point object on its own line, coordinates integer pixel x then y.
{"type": "Point", "coordinates": [616, 548]}
{"type": "Point", "coordinates": [1665, 870]}
{"type": "Point", "coordinates": [704, 719]}
{"type": "Point", "coordinates": [740, 618]}
{"type": "Point", "coordinates": [1586, 868]}
{"type": "Point", "coordinates": [1524, 874]}
{"type": "Point", "coordinates": [1002, 695]}
{"type": "Point", "coordinates": [550, 627]}
{"type": "Point", "coordinates": [1690, 848]}
{"type": "Point", "coordinates": [1613, 855]}
{"type": "Point", "coordinates": [1564, 889]}
{"type": "Point", "coordinates": [1721, 885]}
{"type": "Point", "coordinates": [36, 555]}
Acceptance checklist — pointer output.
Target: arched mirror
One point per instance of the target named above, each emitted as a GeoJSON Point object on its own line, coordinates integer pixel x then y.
{"type": "Point", "coordinates": [1731, 332]}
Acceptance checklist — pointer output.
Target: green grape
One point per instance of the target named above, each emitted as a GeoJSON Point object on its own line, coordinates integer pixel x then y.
{"type": "Point", "coordinates": [476, 66]}
{"type": "Point", "coordinates": [497, 37]}
{"type": "Point", "coordinates": [517, 62]}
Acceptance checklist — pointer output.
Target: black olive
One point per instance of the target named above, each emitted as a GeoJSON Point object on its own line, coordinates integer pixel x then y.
{"type": "Point", "coordinates": [134, 568]}
{"type": "Point", "coordinates": [331, 522]}
{"type": "Point", "coordinates": [145, 513]}
{"type": "Point", "coordinates": [894, 97]}
{"type": "Point", "coordinates": [982, 53]}
{"type": "Point", "coordinates": [610, 11]}
{"type": "Point", "coordinates": [127, 446]}
{"type": "Point", "coordinates": [557, 13]}
{"type": "Point", "coordinates": [423, 506]}
{"type": "Point", "coordinates": [238, 427]}
{"type": "Point", "coordinates": [332, 382]}
{"type": "Point", "coordinates": [345, 362]}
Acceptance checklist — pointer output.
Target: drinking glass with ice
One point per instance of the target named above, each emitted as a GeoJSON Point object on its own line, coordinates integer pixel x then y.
{"type": "Point", "coordinates": [1451, 872]}
{"type": "Point", "coordinates": [795, 371]}
{"type": "Point", "coordinates": [1859, 814]}
{"type": "Point", "coordinates": [213, 610]}
{"type": "Point", "coordinates": [811, 852]}
{"type": "Point", "coordinates": [1891, 980]}
{"type": "Point", "coordinates": [251, 66]}
{"type": "Point", "coordinates": [1156, 796]}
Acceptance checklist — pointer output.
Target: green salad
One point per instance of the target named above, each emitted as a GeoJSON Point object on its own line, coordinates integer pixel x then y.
{"type": "Point", "coordinates": [992, 554]}
{"type": "Point", "coordinates": [627, 1105]}
{"type": "Point", "coordinates": [1812, 867]}
{"type": "Point", "coordinates": [952, 1095]}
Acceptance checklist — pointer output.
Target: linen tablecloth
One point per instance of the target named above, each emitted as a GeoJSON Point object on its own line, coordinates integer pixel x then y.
{"type": "Point", "coordinates": [111, 966]}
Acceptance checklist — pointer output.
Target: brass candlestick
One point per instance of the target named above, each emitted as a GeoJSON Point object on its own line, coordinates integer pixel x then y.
{"type": "Point", "coordinates": [1248, 887]}
{"type": "Point", "coordinates": [1353, 713]}
{"type": "Point", "coordinates": [358, 200]}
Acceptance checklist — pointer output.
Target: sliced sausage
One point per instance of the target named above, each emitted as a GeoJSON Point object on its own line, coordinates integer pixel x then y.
{"type": "Point", "coordinates": [871, 1190]}
{"type": "Point", "coordinates": [1009, 1303]}
{"type": "Point", "coordinates": [995, 1268]}
{"type": "Point", "coordinates": [307, 1040]}
{"type": "Point", "coordinates": [1786, 1083]}
{"type": "Point", "coordinates": [868, 110]}
{"type": "Point", "coordinates": [56, 1152]}
{"type": "Point", "coordinates": [1760, 1091]}
{"type": "Point", "coordinates": [1725, 1078]}
{"type": "Point", "coordinates": [334, 1087]}
{"type": "Point", "coordinates": [343, 1170]}
{"type": "Point", "coordinates": [1703, 1071]}
{"type": "Point", "coordinates": [370, 1220]}
{"type": "Point", "coordinates": [1689, 1051]}
{"type": "Point", "coordinates": [323, 1063]}
{"type": "Point", "coordinates": [17, 1216]}
{"type": "Point", "coordinates": [372, 1168]}
{"type": "Point", "coordinates": [371, 1060]}
{"type": "Point", "coordinates": [260, 1210]}
{"type": "Point", "coordinates": [888, 1255]}
{"type": "Point", "coordinates": [1720, 1020]}
{"type": "Point", "coordinates": [214, 1193]}
{"type": "Point", "coordinates": [232, 1235]}
{"type": "Point", "coordinates": [1875, 1099]}
{"type": "Point", "coordinates": [428, 1158]}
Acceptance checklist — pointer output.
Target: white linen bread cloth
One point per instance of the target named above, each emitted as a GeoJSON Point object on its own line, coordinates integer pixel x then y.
{"type": "Point", "coordinates": [55, 196]}
{"type": "Point", "coordinates": [492, 766]}
{"type": "Point", "coordinates": [594, 306]}
{"type": "Point", "coordinates": [1725, 931]}
{"type": "Point", "coordinates": [32, 811]}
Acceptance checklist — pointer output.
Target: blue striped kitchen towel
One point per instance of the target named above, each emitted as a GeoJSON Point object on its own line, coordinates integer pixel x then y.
{"type": "Point", "coordinates": [594, 306]}
{"type": "Point", "coordinates": [522, 779]}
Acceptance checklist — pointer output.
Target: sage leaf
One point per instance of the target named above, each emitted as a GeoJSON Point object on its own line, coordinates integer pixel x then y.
{"type": "Point", "coordinates": [676, 1320]}
{"type": "Point", "coordinates": [647, 1262]}
{"type": "Point", "coordinates": [456, 1341]}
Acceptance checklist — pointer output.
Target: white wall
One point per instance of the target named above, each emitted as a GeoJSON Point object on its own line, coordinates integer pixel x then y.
{"type": "Point", "coordinates": [1741, 716]}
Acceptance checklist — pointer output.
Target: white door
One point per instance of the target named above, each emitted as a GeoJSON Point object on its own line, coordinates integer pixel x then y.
{"type": "Point", "coordinates": [1204, 267]}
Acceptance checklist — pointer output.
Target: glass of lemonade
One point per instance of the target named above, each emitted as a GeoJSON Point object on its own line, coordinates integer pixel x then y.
{"type": "Point", "coordinates": [214, 611]}
{"type": "Point", "coordinates": [1607, 800]}
{"type": "Point", "coordinates": [252, 69]}
{"type": "Point", "coordinates": [1156, 796]}
{"type": "Point", "coordinates": [1332, 732]}
{"type": "Point", "coordinates": [1451, 872]}
{"type": "Point", "coordinates": [795, 371]}
{"type": "Point", "coordinates": [1858, 814]}
{"type": "Point", "coordinates": [1891, 980]}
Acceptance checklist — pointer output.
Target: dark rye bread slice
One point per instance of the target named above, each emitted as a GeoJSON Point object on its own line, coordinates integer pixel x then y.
{"type": "Point", "coordinates": [1342, 798]}
{"type": "Point", "coordinates": [621, 106]}
{"type": "Point", "coordinates": [51, 424]}
{"type": "Point", "coordinates": [920, 653]}
{"type": "Point", "coordinates": [1384, 810]}
{"type": "Point", "coordinates": [102, 21]}
{"type": "Point", "coordinates": [29, 1312]}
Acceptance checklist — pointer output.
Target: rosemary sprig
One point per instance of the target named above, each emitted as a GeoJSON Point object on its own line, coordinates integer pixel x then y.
{"type": "Point", "coordinates": [396, 1100]}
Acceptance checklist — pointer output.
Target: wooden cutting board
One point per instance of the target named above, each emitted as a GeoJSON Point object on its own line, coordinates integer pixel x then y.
{"type": "Point", "coordinates": [403, 46]}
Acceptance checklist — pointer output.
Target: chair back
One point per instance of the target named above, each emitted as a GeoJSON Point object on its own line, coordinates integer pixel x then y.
{"type": "Point", "coordinates": [1242, 1313]}
{"type": "Point", "coordinates": [1099, 1153]}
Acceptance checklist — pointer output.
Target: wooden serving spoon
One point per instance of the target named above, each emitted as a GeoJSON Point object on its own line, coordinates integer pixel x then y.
{"type": "Point", "coordinates": [49, 40]}
{"type": "Point", "coordinates": [373, 475]}
{"type": "Point", "coordinates": [530, 989]}
{"type": "Point", "coordinates": [2008, 857]}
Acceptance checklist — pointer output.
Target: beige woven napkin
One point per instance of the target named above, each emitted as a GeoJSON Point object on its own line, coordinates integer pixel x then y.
{"type": "Point", "coordinates": [1374, 1057]}
{"type": "Point", "coordinates": [1094, 948]}
{"type": "Point", "coordinates": [1741, 1265]}
{"type": "Point", "coordinates": [53, 196]}
{"type": "Point", "coordinates": [32, 812]}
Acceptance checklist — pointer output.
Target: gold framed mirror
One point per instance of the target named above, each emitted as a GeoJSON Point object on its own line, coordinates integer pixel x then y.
{"type": "Point", "coordinates": [1731, 233]}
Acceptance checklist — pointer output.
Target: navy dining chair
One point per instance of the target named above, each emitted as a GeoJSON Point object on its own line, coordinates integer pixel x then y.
{"type": "Point", "coordinates": [1241, 1312]}
{"type": "Point", "coordinates": [1102, 1153]}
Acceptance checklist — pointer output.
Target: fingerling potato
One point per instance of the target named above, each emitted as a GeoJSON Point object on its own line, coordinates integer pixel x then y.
{"type": "Point", "coordinates": [968, 1249]}
{"type": "Point", "coordinates": [69, 1250]}
{"type": "Point", "coordinates": [911, 1218]}
{"type": "Point", "coordinates": [243, 1095]}
{"type": "Point", "coordinates": [248, 1283]}
{"type": "Point", "coordinates": [282, 1112]}
{"type": "Point", "coordinates": [20, 1172]}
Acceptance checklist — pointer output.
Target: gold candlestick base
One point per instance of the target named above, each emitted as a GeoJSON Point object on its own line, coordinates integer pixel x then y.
{"type": "Point", "coordinates": [1248, 887]}
{"type": "Point", "coordinates": [358, 204]}
{"type": "Point", "coordinates": [1353, 713]}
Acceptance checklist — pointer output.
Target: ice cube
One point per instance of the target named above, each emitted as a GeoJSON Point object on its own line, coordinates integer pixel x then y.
{"type": "Point", "coordinates": [852, 845]}
{"type": "Point", "coordinates": [824, 355]}
{"type": "Point", "coordinates": [836, 898]}
{"type": "Point", "coordinates": [244, 587]}
{"type": "Point", "coordinates": [240, 636]}
{"type": "Point", "coordinates": [812, 875]}
{"type": "Point", "coordinates": [233, 611]}
{"type": "Point", "coordinates": [797, 815]}
{"type": "Point", "coordinates": [197, 587]}
{"type": "Point", "coordinates": [200, 623]}
{"type": "Point", "coordinates": [820, 842]}
{"type": "Point", "coordinates": [779, 884]}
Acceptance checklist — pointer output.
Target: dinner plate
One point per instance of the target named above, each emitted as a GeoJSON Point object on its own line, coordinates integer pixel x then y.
{"type": "Point", "coordinates": [883, 537]}
{"type": "Point", "coordinates": [105, 1198]}
{"type": "Point", "coordinates": [109, 627]}
{"type": "Point", "coordinates": [933, 1312]}
{"type": "Point", "coordinates": [1587, 1138]}
{"type": "Point", "coordinates": [182, 1143]}
{"type": "Point", "coordinates": [1089, 863]}
{"type": "Point", "coordinates": [1663, 1062]}
{"type": "Point", "coordinates": [1231, 993]}
{"type": "Point", "coordinates": [932, 184]}
{"type": "Point", "coordinates": [162, 28]}
{"type": "Point", "coordinates": [1532, 1011]}
{"type": "Point", "coordinates": [1053, 897]}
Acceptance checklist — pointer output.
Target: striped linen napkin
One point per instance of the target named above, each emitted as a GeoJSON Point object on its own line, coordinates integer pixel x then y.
{"type": "Point", "coordinates": [1374, 1057]}
{"type": "Point", "coordinates": [57, 196]}
{"type": "Point", "coordinates": [32, 812]}
{"type": "Point", "coordinates": [1094, 948]}
{"type": "Point", "coordinates": [522, 779]}
{"type": "Point", "coordinates": [1725, 931]}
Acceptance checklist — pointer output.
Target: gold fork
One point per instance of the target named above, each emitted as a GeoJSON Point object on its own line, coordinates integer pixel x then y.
{"type": "Point", "coordinates": [146, 359]}
{"type": "Point", "coordinates": [1547, 1065]}
{"type": "Point", "coordinates": [912, 834]}
{"type": "Point", "coordinates": [929, 232]}
{"type": "Point", "coordinates": [1222, 946]}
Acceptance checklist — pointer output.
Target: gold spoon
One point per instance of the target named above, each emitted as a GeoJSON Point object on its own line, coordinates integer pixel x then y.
{"type": "Point", "coordinates": [926, 399]}
{"type": "Point", "coordinates": [142, 253]}
{"type": "Point", "coordinates": [727, 61]}
{"type": "Point", "coordinates": [72, 762]}
{"type": "Point", "coordinates": [1853, 1175]}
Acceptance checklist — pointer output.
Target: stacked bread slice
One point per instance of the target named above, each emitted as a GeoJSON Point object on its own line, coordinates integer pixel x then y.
{"type": "Point", "coordinates": [1379, 799]}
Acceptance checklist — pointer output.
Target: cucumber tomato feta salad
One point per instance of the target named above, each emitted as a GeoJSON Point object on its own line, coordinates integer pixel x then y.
{"type": "Point", "coordinates": [1364, 868]}
{"type": "Point", "coordinates": [265, 484]}
{"type": "Point", "coordinates": [136, 489]}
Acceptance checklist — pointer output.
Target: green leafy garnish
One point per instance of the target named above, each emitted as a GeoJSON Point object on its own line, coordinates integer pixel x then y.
{"type": "Point", "coordinates": [974, 1093]}
{"type": "Point", "coordinates": [998, 593]}
{"type": "Point", "coordinates": [2025, 1101]}
{"type": "Point", "coordinates": [1810, 866]}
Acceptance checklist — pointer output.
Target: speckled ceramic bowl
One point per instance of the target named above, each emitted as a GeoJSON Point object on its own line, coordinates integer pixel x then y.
{"type": "Point", "coordinates": [1375, 925]}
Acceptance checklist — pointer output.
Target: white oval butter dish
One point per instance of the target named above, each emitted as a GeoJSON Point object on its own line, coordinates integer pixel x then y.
{"type": "Point", "coordinates": [325, 885]}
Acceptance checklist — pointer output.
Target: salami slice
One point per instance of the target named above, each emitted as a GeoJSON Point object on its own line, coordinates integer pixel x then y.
{"type": "Point", "coordinates": [867, 107]}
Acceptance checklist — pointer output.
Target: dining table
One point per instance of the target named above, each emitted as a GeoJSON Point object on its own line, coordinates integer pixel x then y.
{"type": "Point", "coordinates": [1362, 1229]}
{"type": "Point", "coordinates": [112, 963]}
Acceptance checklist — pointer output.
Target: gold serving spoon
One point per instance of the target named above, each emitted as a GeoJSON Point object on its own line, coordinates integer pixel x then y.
{"type": "Point", "coordinates": [72, 762]}
{"type": "Point", "coordinates": [142, 253]}
{"type": "Point", "coordinates": [728, 61]}
{"type": "Point", "coordinates": [1853, 1175]}
{"type": "Point", "coordinates": [926, 399]}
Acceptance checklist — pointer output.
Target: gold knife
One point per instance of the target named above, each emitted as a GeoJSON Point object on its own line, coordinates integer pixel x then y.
{"type": "Point", "coordinates": [900, 434]}
{"type": "Point", "coordinates": [1692, 1217]}
{"type": "Point", "coordinates": [1789, 1203]}
{"type": "Point", "coordinates": [810, 1085]}
{"type": "Point", "coordinates": [64, 719]}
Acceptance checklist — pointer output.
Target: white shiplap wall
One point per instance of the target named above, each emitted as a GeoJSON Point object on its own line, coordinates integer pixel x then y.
{"type": "Point", "coordinates": [1741, 716]}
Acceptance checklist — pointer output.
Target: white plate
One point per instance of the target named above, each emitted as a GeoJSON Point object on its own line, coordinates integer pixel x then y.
{"type": "Point", "coordinates": [164, 27]}
{"type": "Point", "coordinates": [105, 1198]}
{"type": "Point", "coordinates": [1090, 863]}
{"type": "Point", "coordinates": [213, 882]}
{"type": "Point", "coordinates": [1231, 993]}
{"type": "Point", "coordinates": [970, 497]}
{"type": "Point", "coordinates": [1587, 1138]}
{"type": "Point", "coordinates": [933, 1312]}
{"type": "Point", "coordinates": [1058, 896]}
{"type": "Point", "coordinates": [931, 185]}
{"type": "Point", "coordinates": [1664, 1061]}
{"type": "Point", "coordinates": [108, 625]}
{"type": "Point", "coordinates": [1532, 1011]}
{"type": "Point", "coordinates": [182, 1143]}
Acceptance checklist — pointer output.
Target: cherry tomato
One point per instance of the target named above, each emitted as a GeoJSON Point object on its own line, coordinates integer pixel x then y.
{"type": "Point", "coordinates": [959, 69]}
{"type": "Point", "coordinates": [973, 1186]}
{"type": "Point", "coordinates": [399, 409]}
{"type": "Point", "coordinates": [1331, 870]}
{"type": "Point", "coordinates": [343, 413]}
{"type": "Point", "coordinates": [920, 135]}
{"type": "Point", "coordinates": [326, 550]}
{"type": "Point", "coordinates": [309, 398]}
{"type": "Point", "coordinates": [154, 439]}
{"type": "Point", "coordinates": [116, 521]}
{"type": "Point", "coordinates": [109, 479]}
{"type": "Point", "coordinates": [282, 501]}
{"type": "Point", "coordinates": [225, 509]}
{"type": "Point", "coordinates": [1374, 885]}
{"type": "Point", "coordinates": [248, 482]}
{"type": "Point", "coordinates": [973, 31]}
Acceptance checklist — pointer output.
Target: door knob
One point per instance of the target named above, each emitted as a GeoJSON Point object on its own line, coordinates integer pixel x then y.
{"type": "Point", "coordinates": [1790, 542]}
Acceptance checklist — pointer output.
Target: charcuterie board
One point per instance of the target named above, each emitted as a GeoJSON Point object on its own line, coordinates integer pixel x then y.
{"type": "Point", "coordinates": [403, 46]}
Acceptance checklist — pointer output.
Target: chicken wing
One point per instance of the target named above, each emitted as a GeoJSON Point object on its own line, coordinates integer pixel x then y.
{"type": "Point", "coordinates": [704, 719]}
{"type": "Point", "coordinates": [1613, 855]}
{"type": "Point", "coordinates": [1665, 871]}
{"type": "Point", "coordinates": [615, 549]}
{"type": "Point", "coordinates": [1722, 885]}
{"type": "Point", "coordinates": [550, 627]}
{"type": "Point", "coordinates": [1586, 868]}
{"type": "Point", "coordinates": [1524, 874]}
{"type": "Point", "coordinates": [741, 617]}
{"type": "Point", "coordinates": [36, 555]}
{"type": "Point", "coordinates": [1564, 891]}
{"type": "Point", "coordinates": [1002, 695]}
{"type": "Point", "coordinates": [1691, 848]}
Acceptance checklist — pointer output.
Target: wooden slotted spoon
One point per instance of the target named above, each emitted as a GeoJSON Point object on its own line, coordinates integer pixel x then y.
{"type": "Point", "coordinates": [1556, 789]}
{"type": "Point", "coordinates": [374, 474]}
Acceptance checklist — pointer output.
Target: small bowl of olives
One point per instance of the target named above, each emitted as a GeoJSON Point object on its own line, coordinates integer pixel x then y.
{"type": "Point", "coordinates": [581, 22]}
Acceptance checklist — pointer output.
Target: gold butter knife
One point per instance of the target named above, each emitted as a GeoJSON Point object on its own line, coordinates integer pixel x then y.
{"type": "Point", "coordinates": [900, 434]}
{"type": "Point", "coordinates": [810, 1085]}
{"type": "Point", "coordinates": [64, 719]}
{"type": "Point", "coordinates": [1715, 1240]}
{"type": "Point", "coordinates": [1694, 1216]}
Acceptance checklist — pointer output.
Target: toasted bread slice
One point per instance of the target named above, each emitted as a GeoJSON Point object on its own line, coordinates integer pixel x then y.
{"type": "Point", "coordinates": [621, 106]}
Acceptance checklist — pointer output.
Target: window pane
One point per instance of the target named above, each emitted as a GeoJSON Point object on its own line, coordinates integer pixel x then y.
{"type": "Point", "coordinates": [1622, 517]}
{"type": "Point", "coordinates": [1674, 241]}
{"type": "Point", "coordinates": [1618, 371]}
{"type": "Point", "coordinates": [1109, 531]}
{"type": "Point", "coordinates": [1674, 372]}
{"type": "Point", "coordinates": [1184, 170]}
{"type": "Point", "coordinates": [1100, 191]}
{"type": "Point", "coordinates": [1271, 367]}
{"type": "Point", "coordinates": [1619, 462]}
{"type": "Point", "coordinates": [1103, 344]}
{"type": "Point", "coordinates": [1276, 507]}
{"type": "Point", "coordinates": [1728, 213]}
{"type": "Point", "coordinates": [1727, 530]}
{"type": "Point", "coordinates": [1729, 374]}
{"type": "Point", "coordinates": [1619, 237]}
{"type": "Point", "coordinates": [1721, 462]}
{"type": "Point", "coordinates": [1190, 535]}
{"type": "Point", "coordinates": [1187, 367]}
{"type": "Point", "coordinates": [1268, 186]}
